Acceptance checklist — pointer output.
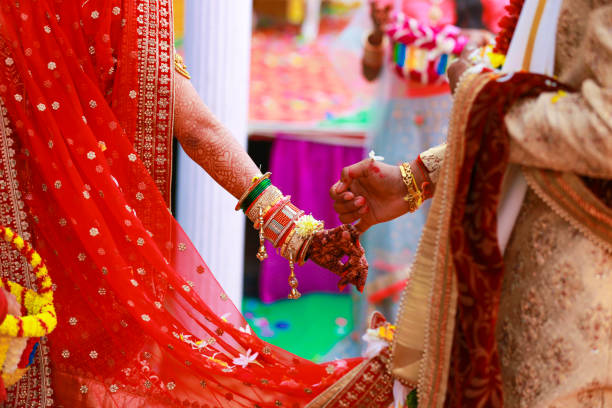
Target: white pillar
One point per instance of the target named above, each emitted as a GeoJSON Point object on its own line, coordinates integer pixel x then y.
{"type": "Point", "coordinates": [217, 54]}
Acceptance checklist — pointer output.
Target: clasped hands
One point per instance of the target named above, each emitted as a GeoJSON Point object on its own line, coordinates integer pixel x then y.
{"type": "Point", "coordinates": [369, 192]}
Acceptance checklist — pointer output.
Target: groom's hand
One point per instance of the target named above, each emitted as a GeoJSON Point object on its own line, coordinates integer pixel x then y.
{"type": "Point", "coordinates": [371, 192]}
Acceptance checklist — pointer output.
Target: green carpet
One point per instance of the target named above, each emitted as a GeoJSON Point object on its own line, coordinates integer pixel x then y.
{"type": "Point", "coordinates": [308, 327]}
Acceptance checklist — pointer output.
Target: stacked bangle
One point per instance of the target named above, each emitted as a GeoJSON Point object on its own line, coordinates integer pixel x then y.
{"type": "Point", "coordinates": [254, 194]}
{"type": "Point", "coordinates": [280, 222]}
{"type": "Point", "coordinates": [246, 200]}
{"type": "Point", "coordinates": [414, 198]}
{"type": "Point", "coordinates": [270, 196]}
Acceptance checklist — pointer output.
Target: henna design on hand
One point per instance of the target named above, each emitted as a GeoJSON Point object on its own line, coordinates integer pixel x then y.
{"type": "Point", "coordinates": [329, 247]}
{"type": "Point", "coordinates": [209, 143]}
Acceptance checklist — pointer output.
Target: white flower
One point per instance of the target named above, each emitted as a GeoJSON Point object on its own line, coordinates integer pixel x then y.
{"type": "Point", "coordinates": [134, 282]}
{"type": "Point", "coordinates": [307, 225]}
{"type": "Point", "coordinates": [132, 94]}
{"type": "Point", "coordinates": [41, 107]}
{"type": "Point", "coordinates": [95, 14]}
{"type": "Point", "coordinates": [47, 29]}
{"type": "Point", "coordinates": [246, 329]}
{"type": "Point", "coordinates": [9, 61]}
{"type": "Point", "coordinates": [93, 354]}
{"type": "Point", "coordinates": [373, 156]}
{"type": "Point", "coordinates": [146, 317]}
{"type": "Point", "coordinates": [55, 105]}
{"type": "Point", "coordinates": [374, 343]}
{"type": "Point", "coordinates": [51, 65]}
{"type": "Point", "coordinates": [18, 98]}
{"type": "Point", "coordinates": [91, 155]}
{"type": "Point", "coordinates": [93, 231]}
{"type": "Point", "coordinates": [92, 104]}
{"type": "Point", "coordinates": [132, 157]}
{"type": "Point", "coordinates": [245, 359]}
{"type": "Point", "coordinates": [116, 10]}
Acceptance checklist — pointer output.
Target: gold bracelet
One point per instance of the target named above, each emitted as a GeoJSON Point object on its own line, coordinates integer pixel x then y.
{"type": "Point", "coordinates": [292, 245]}
{"type": "Point", "coordinates": [414, 198]}
{"type": "Point", "coordinates": [179, 65]}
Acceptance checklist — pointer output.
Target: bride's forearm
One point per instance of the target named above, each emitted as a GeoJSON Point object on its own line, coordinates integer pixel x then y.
{"type": "Point", "coordinates": [209, 143]}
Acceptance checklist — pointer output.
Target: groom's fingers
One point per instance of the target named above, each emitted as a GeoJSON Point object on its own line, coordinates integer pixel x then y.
{"type": "Point", "coordinates": [352, 172]}
{"type": "Point", "coordinates": [343, 207]}
{"type": "Point", "coordinates": [349, 218]}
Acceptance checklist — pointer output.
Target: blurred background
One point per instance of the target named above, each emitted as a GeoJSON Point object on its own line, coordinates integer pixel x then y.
{"type": "Point", "coordinates": [285, 76]}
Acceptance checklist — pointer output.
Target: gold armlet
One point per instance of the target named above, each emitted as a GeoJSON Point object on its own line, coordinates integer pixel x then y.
{"type": "Point", "coordinates": [179, 65]}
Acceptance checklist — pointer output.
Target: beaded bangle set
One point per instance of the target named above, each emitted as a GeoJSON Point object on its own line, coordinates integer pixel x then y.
{"type": "Point", "coordinates": [280, 222]}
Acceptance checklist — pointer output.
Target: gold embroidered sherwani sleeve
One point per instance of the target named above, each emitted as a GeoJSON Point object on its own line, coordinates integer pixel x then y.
{"type": "Point", "coordinates": [573, 131]}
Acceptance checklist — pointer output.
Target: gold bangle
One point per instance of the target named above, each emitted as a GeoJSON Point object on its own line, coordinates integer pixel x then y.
{"type": "Point", "coordinates": [414, 198]}
{"type": "Point", "coordinates": [293, 245]}
{"type": "Point", "coordinates": [267, 199]}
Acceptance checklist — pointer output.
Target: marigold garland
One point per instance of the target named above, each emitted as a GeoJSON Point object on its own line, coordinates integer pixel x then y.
{"type": "Point", "coordinates": [508, 25]}
{"type": "Point", "coordinates": [39, 321]}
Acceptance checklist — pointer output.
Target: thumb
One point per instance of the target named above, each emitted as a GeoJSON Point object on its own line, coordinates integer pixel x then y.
{"type": "Point", "coordinates": [355, 171]}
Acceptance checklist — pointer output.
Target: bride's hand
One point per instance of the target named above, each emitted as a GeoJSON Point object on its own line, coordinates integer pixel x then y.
{"type": "Point", "coordinates": [339, 251]}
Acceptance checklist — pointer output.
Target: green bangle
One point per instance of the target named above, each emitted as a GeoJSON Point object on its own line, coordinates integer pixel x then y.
{"type": "Point", "coordinates": [256, 192]}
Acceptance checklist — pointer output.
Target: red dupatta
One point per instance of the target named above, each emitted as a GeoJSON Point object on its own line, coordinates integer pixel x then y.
{"type": "Point", "coordinates": [86, 89]}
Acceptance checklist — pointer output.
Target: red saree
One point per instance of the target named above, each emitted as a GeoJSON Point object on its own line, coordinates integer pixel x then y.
{"type": "Point", "coordinates": [86, 89]}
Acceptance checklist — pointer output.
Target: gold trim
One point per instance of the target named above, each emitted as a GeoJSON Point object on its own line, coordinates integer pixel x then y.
{"type": "Point", "coordinates": [426, 320]}
{"type": "Point", "coordinates": [533, 34]}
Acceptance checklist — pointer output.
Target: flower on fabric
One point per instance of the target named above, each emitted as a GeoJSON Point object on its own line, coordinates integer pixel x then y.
{"type": "Point", "coordinates": [374, 343]}
{"type": "Point", "coordinates": [245, 359]}
{"type": "Point", "coordinates": [372, 155]}
{"type": "Point", "coordinates": [307, 225]}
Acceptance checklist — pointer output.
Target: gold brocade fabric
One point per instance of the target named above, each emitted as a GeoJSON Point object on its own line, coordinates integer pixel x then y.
{"type": "Point", "coordinates": [555, 318]}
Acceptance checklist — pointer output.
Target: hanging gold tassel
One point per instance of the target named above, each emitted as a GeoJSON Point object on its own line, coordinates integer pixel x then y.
{"type": "Point", "coordinates": [293, 282]}
{"type": "Point", "coordinates": [261, 254]}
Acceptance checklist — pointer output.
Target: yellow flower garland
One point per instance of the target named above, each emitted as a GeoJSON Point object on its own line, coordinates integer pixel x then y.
{"type": "Point", "coordinates": [40, 319]}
